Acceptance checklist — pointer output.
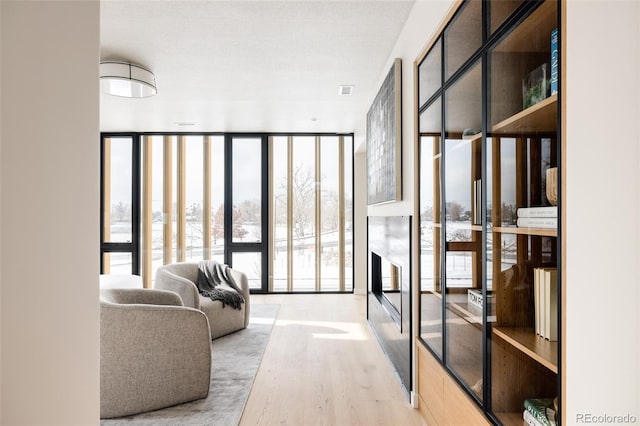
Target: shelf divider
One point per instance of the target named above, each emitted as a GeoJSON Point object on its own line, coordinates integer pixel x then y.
{"type": "Point", "coordinates": [542, 232]}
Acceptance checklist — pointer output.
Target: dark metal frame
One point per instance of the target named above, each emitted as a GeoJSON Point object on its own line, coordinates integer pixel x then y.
{"type": "Point", "coordinates": [132, 247]}
{"type": "Point", "coordinates": [490, 40]}
{"type": "Point", "coordinates": [261, 247]}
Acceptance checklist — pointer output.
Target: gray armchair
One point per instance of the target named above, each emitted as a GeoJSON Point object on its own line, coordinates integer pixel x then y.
{"type": "Point", "coordinates": [154, 352]}
{"type": "Point", "coordinates": [181, 278]}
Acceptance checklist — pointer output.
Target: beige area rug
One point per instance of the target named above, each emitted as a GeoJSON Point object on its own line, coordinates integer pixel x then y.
{"type": "Point", "coordinates": [235, 361]}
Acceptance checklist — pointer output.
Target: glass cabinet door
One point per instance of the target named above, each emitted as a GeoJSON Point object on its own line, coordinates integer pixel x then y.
{"type": "Point", "coordinates": [522, 244]}
{"type": "Point", "coordinates": [430, 151]}
{"type": "Point", "coordinates": [462, 37]}
{"type": "Point", "coordinates": [431, 227]}
{"type": "Point", "coordinates": [500, 10]}
{"type": "Point", "coordinates": [463, 228]}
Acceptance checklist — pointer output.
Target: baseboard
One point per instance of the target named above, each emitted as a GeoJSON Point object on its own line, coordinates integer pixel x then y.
{"type": "Point", "coordinates": [414, 400]}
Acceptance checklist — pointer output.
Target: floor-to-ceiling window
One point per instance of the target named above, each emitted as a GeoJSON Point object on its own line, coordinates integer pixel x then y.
{"type": "Point", "coordinates": [119, 232]}
{"type": "Point", "coordinates": [277, 207]}
{"type": "Point", "coordinates": [311, 220]}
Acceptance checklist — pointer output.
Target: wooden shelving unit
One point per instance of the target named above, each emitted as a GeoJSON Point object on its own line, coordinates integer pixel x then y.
{"type": "Point", "coordinates": [510, 159]}
{"type": "Point", "coordinates": [519, 136]}
{"type": "Point", "coordinates": [537, 348]}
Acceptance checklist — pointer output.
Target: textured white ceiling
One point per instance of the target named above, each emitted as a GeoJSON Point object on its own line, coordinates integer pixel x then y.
{"type": "Point", "coordinates": [249, 65]}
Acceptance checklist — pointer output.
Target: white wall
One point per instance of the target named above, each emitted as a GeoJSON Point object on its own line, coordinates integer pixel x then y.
{"type": "Point", "coordinates": [602, 206]}
{"type": "Point", "coordinates": [421, 25]}
{"type": "Point", "coordinates": [49, 220]}
{"type": "Point", "coordinates": [360, 221]}
{"type": "Point", "coordinates": [425, 17]}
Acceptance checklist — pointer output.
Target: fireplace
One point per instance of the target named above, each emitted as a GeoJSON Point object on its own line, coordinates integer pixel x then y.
{"type": "Point", "coordinates": [386, 285]}
{"type": "Point", "coordinates": [389, 290]}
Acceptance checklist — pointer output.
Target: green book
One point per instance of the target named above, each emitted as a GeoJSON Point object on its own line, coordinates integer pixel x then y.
{"type": "Point", "coordinates": [542, 410]}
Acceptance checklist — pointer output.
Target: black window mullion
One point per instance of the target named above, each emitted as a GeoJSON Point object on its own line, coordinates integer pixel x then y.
{"type": "Point", "coordinates": [228, 207]}
{"type": "Point", "coordinates": [266, 202]}
{"type": "Point", "coordinates": [135, 204]}
{"type": "Point", "coordinates": [102, 224]}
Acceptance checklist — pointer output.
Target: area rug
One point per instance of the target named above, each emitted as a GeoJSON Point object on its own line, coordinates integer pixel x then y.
{"type": "Point", "coordinates": [235, 361]}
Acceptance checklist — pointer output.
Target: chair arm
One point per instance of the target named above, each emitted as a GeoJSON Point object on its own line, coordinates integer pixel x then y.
{"type": "Point", "coordinates": [152, 357]}
{"type": "Point", "coordinates": [129, 296]}
{"type": "Point", "coordinates": [186, 289]}
{"type": "Point", "coordinates": [243, 282]}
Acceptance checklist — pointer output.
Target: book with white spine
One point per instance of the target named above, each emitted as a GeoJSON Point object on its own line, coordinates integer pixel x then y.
{"type": "Point", "coordinates": [546, 211]}
{"type": "Point", "coordinates": [538, 222]}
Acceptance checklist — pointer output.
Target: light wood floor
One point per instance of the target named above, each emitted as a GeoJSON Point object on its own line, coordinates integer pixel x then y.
{"type": "Point", "coordinates": [324, 366]}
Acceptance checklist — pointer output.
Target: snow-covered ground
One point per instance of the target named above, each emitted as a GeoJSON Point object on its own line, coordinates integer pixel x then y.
{"type": "Point", "coordinates": [459, 265]}
{"type": "Point", "coordinates": [304, 259]}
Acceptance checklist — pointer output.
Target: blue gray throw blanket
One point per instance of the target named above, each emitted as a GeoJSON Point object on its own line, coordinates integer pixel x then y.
{"type": "Point", "coordinates": [215, 282]}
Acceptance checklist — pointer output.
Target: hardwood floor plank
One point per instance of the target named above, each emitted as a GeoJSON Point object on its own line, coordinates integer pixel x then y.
{"type": "Point", "coordinates": [324, 366]}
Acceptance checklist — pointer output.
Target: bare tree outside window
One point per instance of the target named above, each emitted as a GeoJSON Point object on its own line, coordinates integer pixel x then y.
{"type": "Point", "coordinates": [304, 198]}
{"type": "Point", "coordinates": [238, 230]}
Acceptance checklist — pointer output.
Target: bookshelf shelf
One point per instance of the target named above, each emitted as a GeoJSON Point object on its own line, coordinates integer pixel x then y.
{"type": "Point", "coordinates": [538, 118]}
{"type": "Point", "coordinates": [526, 231]}
{"type": "Point", "coordinates": [470, 313]}
{"type": "Point", "coordinates": [526, 341]}
{"type": "Point", "coordinates": [509, 418]}
{"type": "Point", "coordinates": [462, 310]}
{"type": "Point", "coordinates": [473, 138]}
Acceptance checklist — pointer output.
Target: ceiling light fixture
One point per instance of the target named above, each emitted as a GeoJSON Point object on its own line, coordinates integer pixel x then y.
{"type": "Point", "coordinates": [126, 80]}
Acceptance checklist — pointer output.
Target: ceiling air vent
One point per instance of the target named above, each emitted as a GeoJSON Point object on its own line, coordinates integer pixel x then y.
{"type": "Point", "coordinates": [345, 90]}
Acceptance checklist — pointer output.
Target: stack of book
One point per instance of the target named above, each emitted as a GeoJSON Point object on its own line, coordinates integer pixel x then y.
{"type": "Point", "coordinates": [539, 412]}
{"type": "Point", "coordinates": [538, 217]}
{"type": "Point", "coordinates": [545, 298]}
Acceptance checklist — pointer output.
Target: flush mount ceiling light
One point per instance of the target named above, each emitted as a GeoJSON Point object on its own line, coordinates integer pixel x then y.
{"type": "Point", "coordinates": [127, 80]}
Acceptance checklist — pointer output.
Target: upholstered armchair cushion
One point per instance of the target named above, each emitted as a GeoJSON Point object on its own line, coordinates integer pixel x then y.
{"type": "Point", "coordinates": [154, 352]}
{"type": "Point", "coordinates": [181, 278]}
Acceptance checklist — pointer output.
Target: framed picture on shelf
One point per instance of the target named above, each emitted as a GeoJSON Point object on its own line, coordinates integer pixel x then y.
{"type": "Point", "coordinates": [384, 141]}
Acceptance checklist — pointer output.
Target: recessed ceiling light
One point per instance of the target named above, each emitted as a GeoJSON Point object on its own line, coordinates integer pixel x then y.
{"type": "Point", "coordinates": [185, 123]}
{"type": "Point", "coordinates": [345, 90]}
